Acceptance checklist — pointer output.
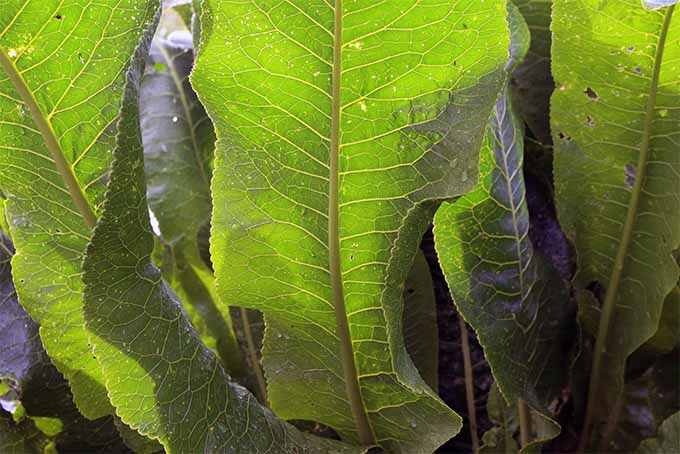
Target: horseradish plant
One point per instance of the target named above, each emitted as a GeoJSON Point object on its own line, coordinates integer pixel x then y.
{"type": "Point", "coordinates": [311, 145]}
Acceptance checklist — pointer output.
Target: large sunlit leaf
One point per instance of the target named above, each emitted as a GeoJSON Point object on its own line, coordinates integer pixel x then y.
{"type": "Point", "coordinates": [617, 160]}
{"type": "Point", "coordinates": [178, 143]}
{"type": "Point", "coordinates": [61, 77]}
{"type": "Point", "coordinates": [340, 127]}
{"type": "Point", "coordinates": [511, 296]}
{"type": "Point", "coordinates": [162, 380]}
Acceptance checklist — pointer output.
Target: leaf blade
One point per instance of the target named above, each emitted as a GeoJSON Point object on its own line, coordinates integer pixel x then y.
{"type": "Point", "coordinates": [178, 143]}
{"type": "Point", "coordinates": [273, 116]}
{"type": "Point", "coordinates": [608, 192]}
{"type": "Point", "coordinates": [505, 290]}
{"type": "Point", "coordinates": [71, 74]}
{"type": "Point", "coordinates": [163, 381]}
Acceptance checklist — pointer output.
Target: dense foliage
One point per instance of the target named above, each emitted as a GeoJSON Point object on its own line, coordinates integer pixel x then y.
{"type": "Point", "coordinates": [211, 217]}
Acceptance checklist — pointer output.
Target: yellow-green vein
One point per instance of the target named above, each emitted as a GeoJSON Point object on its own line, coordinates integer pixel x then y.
{"type": "Point", "coordinates": [50, 138]}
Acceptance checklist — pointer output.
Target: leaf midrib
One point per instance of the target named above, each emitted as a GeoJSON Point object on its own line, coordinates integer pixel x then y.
{"type": "Point", "coordinates": [51, 142]}
{"type": "Point", "coordinates": [609, 305]}
{"type": "Point", "coordinates": [353, 389]}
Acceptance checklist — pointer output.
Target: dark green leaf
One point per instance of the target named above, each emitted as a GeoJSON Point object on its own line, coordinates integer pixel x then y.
{"type": "Point", "coordinates": [420, 321]}
{"type": "Point", "coordinates": [645, 403]}
{"type": "Point", "coordinates": [178, 147]}
{"type": "Point", "coordinates": [512, 298]}
{"type": "Point", "coordinates": [502, 439]}
{"type": "Point", "coordinates": [614, 116]}
{"type": "Point", "coordinates": [532, 84]}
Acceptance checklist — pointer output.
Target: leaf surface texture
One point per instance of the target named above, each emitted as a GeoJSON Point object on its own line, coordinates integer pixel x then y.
{"type": "Point", "coordinates": [67, 64]}
{"type": "Point", "coordinates": [617, 161]}
{"type": "Point", "coordinates": [162, 380]}
{"type": "Point", "coordinates": [340, 127]}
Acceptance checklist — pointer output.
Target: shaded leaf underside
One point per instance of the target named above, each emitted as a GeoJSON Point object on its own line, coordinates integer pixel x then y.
{"type": "Point", "coordinates": [513, 298]}
{"type": "Point", "coordinates": [178, 143]}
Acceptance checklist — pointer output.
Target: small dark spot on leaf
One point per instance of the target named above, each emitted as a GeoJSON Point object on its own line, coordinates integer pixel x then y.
{"type": "Point", "coordinates": [563, 136]}
{"type": "Point", "coordinates": [410, 291]}
{"type": "Point", "coordinates": [58, 17]}
{"type": "Point", "coordinates": [630, 175]}
{"type": "Point", "coordinates": [590, 122]}
{"type": "Point", "coordinates": [591, 93]}
{"type": "Point", "coordinates": [637, 70]}
{"type": "Point", "coordinates": [630, 48]}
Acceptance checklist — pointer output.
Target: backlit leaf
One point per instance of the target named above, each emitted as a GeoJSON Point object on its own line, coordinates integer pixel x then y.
{"type": "Point", "coordinates": [63, 66]}
{"type": "Point", "coordinates": [162, 380]}
{"type": "Point", "coordinates": [340, 128]}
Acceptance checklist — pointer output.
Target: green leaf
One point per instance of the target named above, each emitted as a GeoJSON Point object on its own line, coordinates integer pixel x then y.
{"type": "Point", "coordinates": [420, 321]}
{"type": "Point", "coordinates": [340, 128]}
{"type": "Point", "coordinates": [63, 69]}
{"type": "Point", "coordinates": [667, 335]}
{"type": "Point", "coordinates": [532, 82]}
{"type": "Point", "coordinates": [161, 379]}
{"type": "Point", "coordinates": [44, 409]}
{"type": "Point", "coordinates": [643, 406]}
{"type": "Point", "coordinates": [178, 143]}
{"type": "Point", "coordinates": [614, 117]}
{"type": "Point", "coordinates": [511, 296]}
{"type": "Point", "coordinates": [138, 443]}
{"type": "Point", "coordinates": [668, 439]}
{"type": "Point", "coordinates": [21, 438]}
{"type": "Point", "coordinates": [502, 438]}
{"type": "Point", "coordinates": [4, 226]}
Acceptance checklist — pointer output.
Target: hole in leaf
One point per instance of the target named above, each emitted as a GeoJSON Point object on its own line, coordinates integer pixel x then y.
{"type": "Point", "coordinates": [590, 121]}
{"type": "Point", "coordinates": [630, 175]}
{"type": "Point", "coordinates": [591, 94]}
